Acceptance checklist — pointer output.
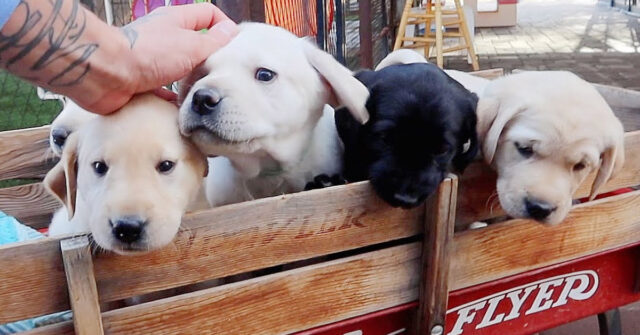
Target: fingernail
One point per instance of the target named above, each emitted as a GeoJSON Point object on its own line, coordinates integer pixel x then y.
{"type": "Point", "coordinates": [227, 27]}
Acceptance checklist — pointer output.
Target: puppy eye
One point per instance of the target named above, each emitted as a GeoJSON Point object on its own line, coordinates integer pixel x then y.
{"type": "Point", "coordinates": [265, 74]}
{"type": "Point", "coordinates": [525, 151]}
{"type": "Point", "coordinates": [578, 167]}
{"type": "Point", "coordinates": [165, 166]}
{"type": "Point", "coordinates": [100, 167]}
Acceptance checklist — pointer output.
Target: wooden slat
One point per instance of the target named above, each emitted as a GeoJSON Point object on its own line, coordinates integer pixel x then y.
{"type": "Point", "coordinates": [32, 269]}
{"type": "Point", "coordinates": [517, 246]}
{"type": "Point", "coordinates": [30, 204]}
{"type": "Point", "coordinates": [284, 302]}
{"type": "Point", "coordinates": [591, 228]}
{"type": "Point", "coordinates": [24, 153]}
{"type": "Point", "coordinates": [436, 252]}
{"type": "Point", "coordinates": [63, 328]}
{"type": "Point", "coordinates": [83, 293]}
{"type": "Point", "coordinates": [332, 291]}
{"type": "Point", "coordinates": [215, 243]}
{"type": "Point", "coordinates": [477, 199]}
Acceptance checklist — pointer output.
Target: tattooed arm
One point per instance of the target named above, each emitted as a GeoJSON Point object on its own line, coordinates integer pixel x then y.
{"type": "Point", "coordinates": [59, 45]}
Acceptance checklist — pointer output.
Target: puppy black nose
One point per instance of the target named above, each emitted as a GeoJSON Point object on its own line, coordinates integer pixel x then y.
{"type": "Point", "coordinates": [205, 100]}
{"type": "Point", "coordinates": [59, 136]}
{"type": "Point", "coordinates": [127, 229]}
{"type": "Point", "coordinates": [538, 210]}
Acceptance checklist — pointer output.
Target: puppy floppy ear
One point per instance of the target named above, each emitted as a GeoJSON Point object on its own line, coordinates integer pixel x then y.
{"type": "Point", "coordinates": [467, 134]}
{"type": "Point", "coordinates": [347, 90]}
{"type": "Point", "coordinates": [493, 115]}
{"type": "Point", "coordinates": [62, 181]}
{"type": "Point", "coordinates": [612, 162]}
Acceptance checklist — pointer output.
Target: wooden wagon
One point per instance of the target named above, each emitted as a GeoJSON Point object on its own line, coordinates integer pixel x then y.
{"type": "Point", "coordinates": [337, 260]}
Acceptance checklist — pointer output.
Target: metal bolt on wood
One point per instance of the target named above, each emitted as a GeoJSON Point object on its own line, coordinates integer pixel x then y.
{"type": "Point", "coordinates": [437, 330]}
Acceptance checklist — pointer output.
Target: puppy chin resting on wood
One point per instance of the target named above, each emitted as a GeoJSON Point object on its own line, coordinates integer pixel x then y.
{"type": "Point", "coordinates": [127, 177]}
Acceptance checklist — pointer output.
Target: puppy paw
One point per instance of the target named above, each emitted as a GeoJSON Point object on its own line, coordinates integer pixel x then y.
{"type": "Point", "coordinates": [323, 181]}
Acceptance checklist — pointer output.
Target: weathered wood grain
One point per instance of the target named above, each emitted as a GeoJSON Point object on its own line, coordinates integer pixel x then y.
{"type": "Point", "coordinates": [216, 243]}
{"type": "Point", "coordinates": [247, 236]}
{"type": "Point", "coordinates": [477, 197]}
{"type": "Point", "coordinates": [590, 228]}
{"type": "Point", "coordinates": [436, 252]}
{"type": "Point", "coordinates": [24, 153]}
{"type": "Point", "coordinates": [32, 269]}
{"type": "Point", "coordinates": [63, 328]}
{"type": "Point", "coordinates": [517, 246]}
{"type": "Point", "coordinates": [284, 302]}
{"type": "Point", "coordinates": [30, 204]}
{"type": "Point", "coordinates": [83, 293]}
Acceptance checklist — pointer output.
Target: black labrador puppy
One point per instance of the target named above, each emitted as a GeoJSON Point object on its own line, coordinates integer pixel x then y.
{"type": "Point", "coordinates": [422, 126]}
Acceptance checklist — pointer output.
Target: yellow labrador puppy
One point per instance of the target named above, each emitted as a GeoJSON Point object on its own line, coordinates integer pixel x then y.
{"type": "Point", "coordinates": [260, 103]}
{"type": "Point", "coordinates": [544, 132]}
{"type": "Point", "coordinates": [128, 177]}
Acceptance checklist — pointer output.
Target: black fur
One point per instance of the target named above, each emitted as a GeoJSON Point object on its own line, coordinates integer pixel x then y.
{"type": "Point", "coordinates": [420, 120]}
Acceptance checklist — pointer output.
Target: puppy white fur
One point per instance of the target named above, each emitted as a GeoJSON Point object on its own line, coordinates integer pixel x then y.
{"type": "Point", "coordinates": [131, 167]}
{"type": "Point", "coordinates": [544, 132]}
{"type": "Point", "coordinates": [261, 103]}
{"type": "Point", "coordinates": [407, 56]}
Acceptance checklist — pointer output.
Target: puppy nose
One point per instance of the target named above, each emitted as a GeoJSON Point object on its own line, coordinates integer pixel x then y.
{"type": "Point", "coordinates": [205, 100]}
{"type": "Point", "coordinates": [127, 229]}
{"type": "Point", "coordinates": [538, 210]}
{"type": "Point", "coordinates": [406, 199]}
{"type": "Point", "coordinates": [59, 136]}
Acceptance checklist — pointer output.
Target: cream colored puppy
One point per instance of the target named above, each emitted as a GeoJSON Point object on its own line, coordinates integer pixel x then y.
{"type": "Point", "coordinates": [261, 102]}
{"type": "Point", "coordinates": [128, 177]}
{"type": "Point", "coordinates": [544, 132]}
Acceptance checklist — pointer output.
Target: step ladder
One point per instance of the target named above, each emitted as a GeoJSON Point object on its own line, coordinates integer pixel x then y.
{"type": "Point", "coordinates": [435, 14]}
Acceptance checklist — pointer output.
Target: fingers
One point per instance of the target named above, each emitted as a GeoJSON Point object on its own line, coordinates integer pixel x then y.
{"type": "Point", "coordinates": [199, 16]}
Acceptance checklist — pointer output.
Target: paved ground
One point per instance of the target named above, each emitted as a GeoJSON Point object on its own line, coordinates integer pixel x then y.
{"type": "Point", "coordinates": [588, 37]}
{"type": "Point", "coordinates": [599, 43]}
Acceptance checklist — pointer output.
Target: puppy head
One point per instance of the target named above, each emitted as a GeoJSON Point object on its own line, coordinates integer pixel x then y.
{"type": "Point", "coordinates": [544, 132]}
{"type": "Point", "coordinates": [69, 120]}
{"type": "Point", "coordinates": [264, 91]}
{"type": "Point", "coordinates": [129, 176]}
{"type": "Point", "coordinates": [420, 122]}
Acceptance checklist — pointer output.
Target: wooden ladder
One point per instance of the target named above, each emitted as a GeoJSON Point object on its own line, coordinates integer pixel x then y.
{"type": "Point", "coordinates": [434, 14]}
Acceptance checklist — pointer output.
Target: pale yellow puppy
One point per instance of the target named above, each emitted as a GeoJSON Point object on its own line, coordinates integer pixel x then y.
{"type": "Point", "coordinates": [128, 177]}
{"type": "Point", "coordinates": [544, 132]}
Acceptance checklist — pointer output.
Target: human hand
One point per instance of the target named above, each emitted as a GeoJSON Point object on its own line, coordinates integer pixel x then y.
{"type": "Point", "coordinates": [163, 47]}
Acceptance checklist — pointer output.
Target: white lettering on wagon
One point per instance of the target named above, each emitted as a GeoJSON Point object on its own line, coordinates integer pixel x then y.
{"type": "Point", "coordinates": [580, 285]}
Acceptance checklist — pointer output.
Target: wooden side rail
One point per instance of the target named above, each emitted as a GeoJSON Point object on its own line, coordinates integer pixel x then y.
{"type": "Point", "coordinates": [214, 243]}
{"type": "Point", "coordinates": [332, 291]}
{"type": "Point", "coordinates": [24, 153]}
{"type": "Point", "coordinates": [30, 204]}
{"type": "Point", "coordinates": [590, 228]}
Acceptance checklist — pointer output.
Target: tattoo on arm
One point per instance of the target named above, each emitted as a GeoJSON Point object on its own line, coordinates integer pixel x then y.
{"type": "Point", "coordinates": [58, 39]}
{"type": "Point", "coordinates": [130, 31]}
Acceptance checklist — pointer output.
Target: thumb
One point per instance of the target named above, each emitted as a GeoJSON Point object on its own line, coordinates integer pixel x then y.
{"type": "Point", "coordinates": [221, 33]}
